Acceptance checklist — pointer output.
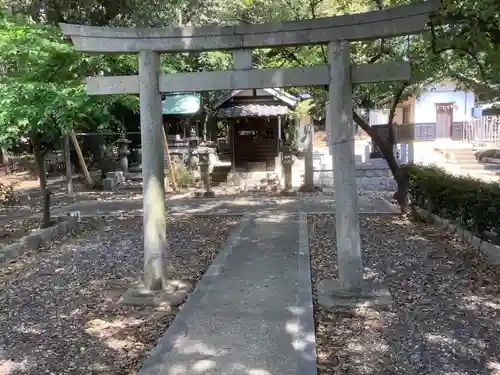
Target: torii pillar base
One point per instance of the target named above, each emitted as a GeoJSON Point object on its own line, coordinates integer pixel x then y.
{"type": "Point", "coordinates": [333, 296]}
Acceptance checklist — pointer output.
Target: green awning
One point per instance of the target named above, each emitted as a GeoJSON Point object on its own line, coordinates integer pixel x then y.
{"type": "Point", "coordinates": [181, 104]}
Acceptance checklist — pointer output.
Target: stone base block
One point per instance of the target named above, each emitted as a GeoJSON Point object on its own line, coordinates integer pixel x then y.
{"type": "Point", "coordinates": [118, 176]}
{"type": "Point", "coordinates": [310, 189]}
{"type": "Point", "coordinates": [332, 296]}
{"type": "Point", "coordinates": [109, 183]}
{"type": "Point", "coordinates": [288, 193]}
{"type": "Point", "coordinates": [172, 295]}
{"type": "Point", "coordinates": [204, 194]}
{"type": "Point", "coordinates": [233, 179]}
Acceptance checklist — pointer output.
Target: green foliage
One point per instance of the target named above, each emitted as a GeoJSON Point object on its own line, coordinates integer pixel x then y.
{"type": "Point", "coordinates": [467, 51]}
{"type": "Point", "coordinates": [466, 37]}
{"type": "Point", "coordinates": [473, 203]}
{"type": "Point", "coordinates": [303, 108]}
{"type": "Point", "coordinates": [183, 177]}
{"type": "Point", "coordinates": [8, 196]}
{"type": "Point", "coordinates": [42, 87]}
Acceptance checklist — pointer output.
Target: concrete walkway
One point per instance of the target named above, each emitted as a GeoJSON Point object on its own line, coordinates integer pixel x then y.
{"type": "Point", "coordinates": [252, 312]}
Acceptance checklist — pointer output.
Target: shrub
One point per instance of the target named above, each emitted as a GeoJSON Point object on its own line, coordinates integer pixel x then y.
{"type": "Point", "coordinates": [8, 196]}
{"type": "Point", "coordinates": [183, 176]}
{"type": "Point", "coordinates": [473, 203]}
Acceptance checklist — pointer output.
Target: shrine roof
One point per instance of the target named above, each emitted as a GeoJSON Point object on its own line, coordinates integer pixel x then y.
{"type": "Point", "coordinates": [254, 110]}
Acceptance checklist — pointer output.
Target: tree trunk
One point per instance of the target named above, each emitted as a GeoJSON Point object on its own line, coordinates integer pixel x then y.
{"type": "Point", "coordinates": [5, 160]}
{"type": "Point", "coordinates": [67, 159]}
{"type": "Point", "coordinates": [399, 174]}
{"type": "Point", "coordinates": [42, 175]}
{"type": "Point", "coordinates": [387, 151]}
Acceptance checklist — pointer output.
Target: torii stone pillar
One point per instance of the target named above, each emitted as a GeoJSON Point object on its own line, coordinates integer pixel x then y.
{"type": "Point", "coordinates": [155, 241]}
{"type": "Point", "coordinates": [350, 289]}
{"type": "Point", "coordinates": [344, 167]}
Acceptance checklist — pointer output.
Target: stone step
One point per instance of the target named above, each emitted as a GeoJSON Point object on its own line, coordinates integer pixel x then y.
{"type": "Point", "coordinates": [460, 150]}
{"type": "Point", "coordinates": [461, 153]}
{"type": "Point", "coordinates": [465, 155]}
{"type": "Point", "coordinates": [465, 160]}
{"type": "Point", "coordinates": [481, 166]}
{"type": "Point", "coordinates": [479, 174]}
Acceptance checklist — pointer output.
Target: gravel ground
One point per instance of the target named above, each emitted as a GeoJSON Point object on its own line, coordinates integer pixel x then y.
{"type": "Point", "coordinates": [446, 313]}
{"type": "Point", "coordinates": [12, 229]}
{"type": "Point", "coordinates": [58, 310]}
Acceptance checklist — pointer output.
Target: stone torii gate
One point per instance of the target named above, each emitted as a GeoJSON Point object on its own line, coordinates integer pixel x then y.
{"type": "Point", "coordinates": [338, 74]}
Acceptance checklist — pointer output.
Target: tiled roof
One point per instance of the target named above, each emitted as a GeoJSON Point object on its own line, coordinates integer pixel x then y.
{"type": "Point", "coordinates": [181, 104]}
{"type": "Point", "coordinates": [253, 110]}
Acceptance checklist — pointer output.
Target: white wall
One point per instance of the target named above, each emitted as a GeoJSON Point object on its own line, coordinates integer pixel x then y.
{"type": "Point", "coordinates": [425, 105]}
{"type": "Point", "coordinates": [378, 116]}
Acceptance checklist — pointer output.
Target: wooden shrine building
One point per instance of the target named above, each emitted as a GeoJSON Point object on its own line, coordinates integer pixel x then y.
{"type": "Point", "coordinates": [257, 120]}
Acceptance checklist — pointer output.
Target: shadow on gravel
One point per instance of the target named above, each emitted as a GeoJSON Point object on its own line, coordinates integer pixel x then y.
{"type": "Point", "coordinates": [446, 313]}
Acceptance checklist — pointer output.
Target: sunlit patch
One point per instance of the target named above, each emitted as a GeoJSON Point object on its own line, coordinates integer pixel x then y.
{"type": "Point", "coordinates": [186, 346]}
{"type": "Point", "coordinates": [177, 370]}
{"type": "Point", "coordinates": [299, 344]}
{"type": "Point", "coordinates": [477, 302]}
{"type": "Point", "coordinates": [203, 365]}
{"type": "Point", "coordinates": [105, 330]}
{"type": "Point", "coordinates": [292, 327]}
{"type": "Point", "coordinates": [370, 274]}
{"type": "Point", "coordinates": [258, 372]}
{"type": "Point", "coordinates": [296, 310]}
{"type": "Point", "coordinates": [24, 328]}
{"type": "Point", "coordinates": [439, 339]}
{"type": "Point", "coordinates": [10, 367]}
{"type": "Point", "coordinates": [494, 367]}
{"type": "Point", "coordinates": [418, 238]}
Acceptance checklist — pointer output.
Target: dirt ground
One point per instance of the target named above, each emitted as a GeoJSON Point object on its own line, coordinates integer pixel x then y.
{"type": "Point", "coordinates": [446, 314]}
{"type": "Point", "coordinates": [12, 229]}
{"type": "Point", "coordinates": [58, 307]}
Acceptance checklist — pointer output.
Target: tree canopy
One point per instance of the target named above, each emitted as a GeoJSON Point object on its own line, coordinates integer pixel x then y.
{"type": "Point", "coordinates": [42, 85]}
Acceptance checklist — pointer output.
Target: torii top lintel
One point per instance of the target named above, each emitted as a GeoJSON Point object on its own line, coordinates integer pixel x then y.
{"type": "Point", "coordinates": [391, 22]}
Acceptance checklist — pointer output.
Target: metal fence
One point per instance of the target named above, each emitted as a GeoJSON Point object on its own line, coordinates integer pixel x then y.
{"type": "Point", "coordinates": [485, 129]}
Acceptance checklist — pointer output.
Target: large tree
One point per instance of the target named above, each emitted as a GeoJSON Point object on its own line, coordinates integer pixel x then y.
{"type": "Point", "coordinates": [42, 93]}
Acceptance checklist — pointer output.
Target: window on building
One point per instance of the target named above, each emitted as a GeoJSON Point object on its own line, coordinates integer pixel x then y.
{"type": "Point", "coordinates": [406, 114]}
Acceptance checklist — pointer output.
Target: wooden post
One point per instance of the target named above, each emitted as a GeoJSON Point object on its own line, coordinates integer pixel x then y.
{"type": "Point", "coordinates": [169, 162]}
{"type": "Point", "coordinates": [86, 173]}
{"type": "Point", "coordinates": [69, 172]}
{"type": "Point", "coordinates": [5, 157]}
{"type": "Point", "coordinates": [232, 127]}
{"type": "Point", "coordinates": [205, 132]}
{"type": "Point", "coordinates": [309, 162]}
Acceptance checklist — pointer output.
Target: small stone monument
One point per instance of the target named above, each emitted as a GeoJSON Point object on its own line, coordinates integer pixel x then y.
{"type": "Point", "coordinates": [308, 139]}
{"type": "Point", "coordinates": [193, 163]}
{"type": "Point", "coordinates": [123, 152]}
{"type": "Point", "coordinates": [288, 156]}
{"type": "Point", "coordinates": [205, 173]}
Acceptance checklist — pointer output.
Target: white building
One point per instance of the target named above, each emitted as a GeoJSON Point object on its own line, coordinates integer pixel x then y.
{"type": "Point", "coordinates": [437, 117]}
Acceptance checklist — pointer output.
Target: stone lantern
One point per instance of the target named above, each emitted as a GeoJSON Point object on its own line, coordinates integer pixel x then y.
{"type": "Point", "coordinates": [123, 153]}
{"type": "Point", "coordinates": [288, 156]}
